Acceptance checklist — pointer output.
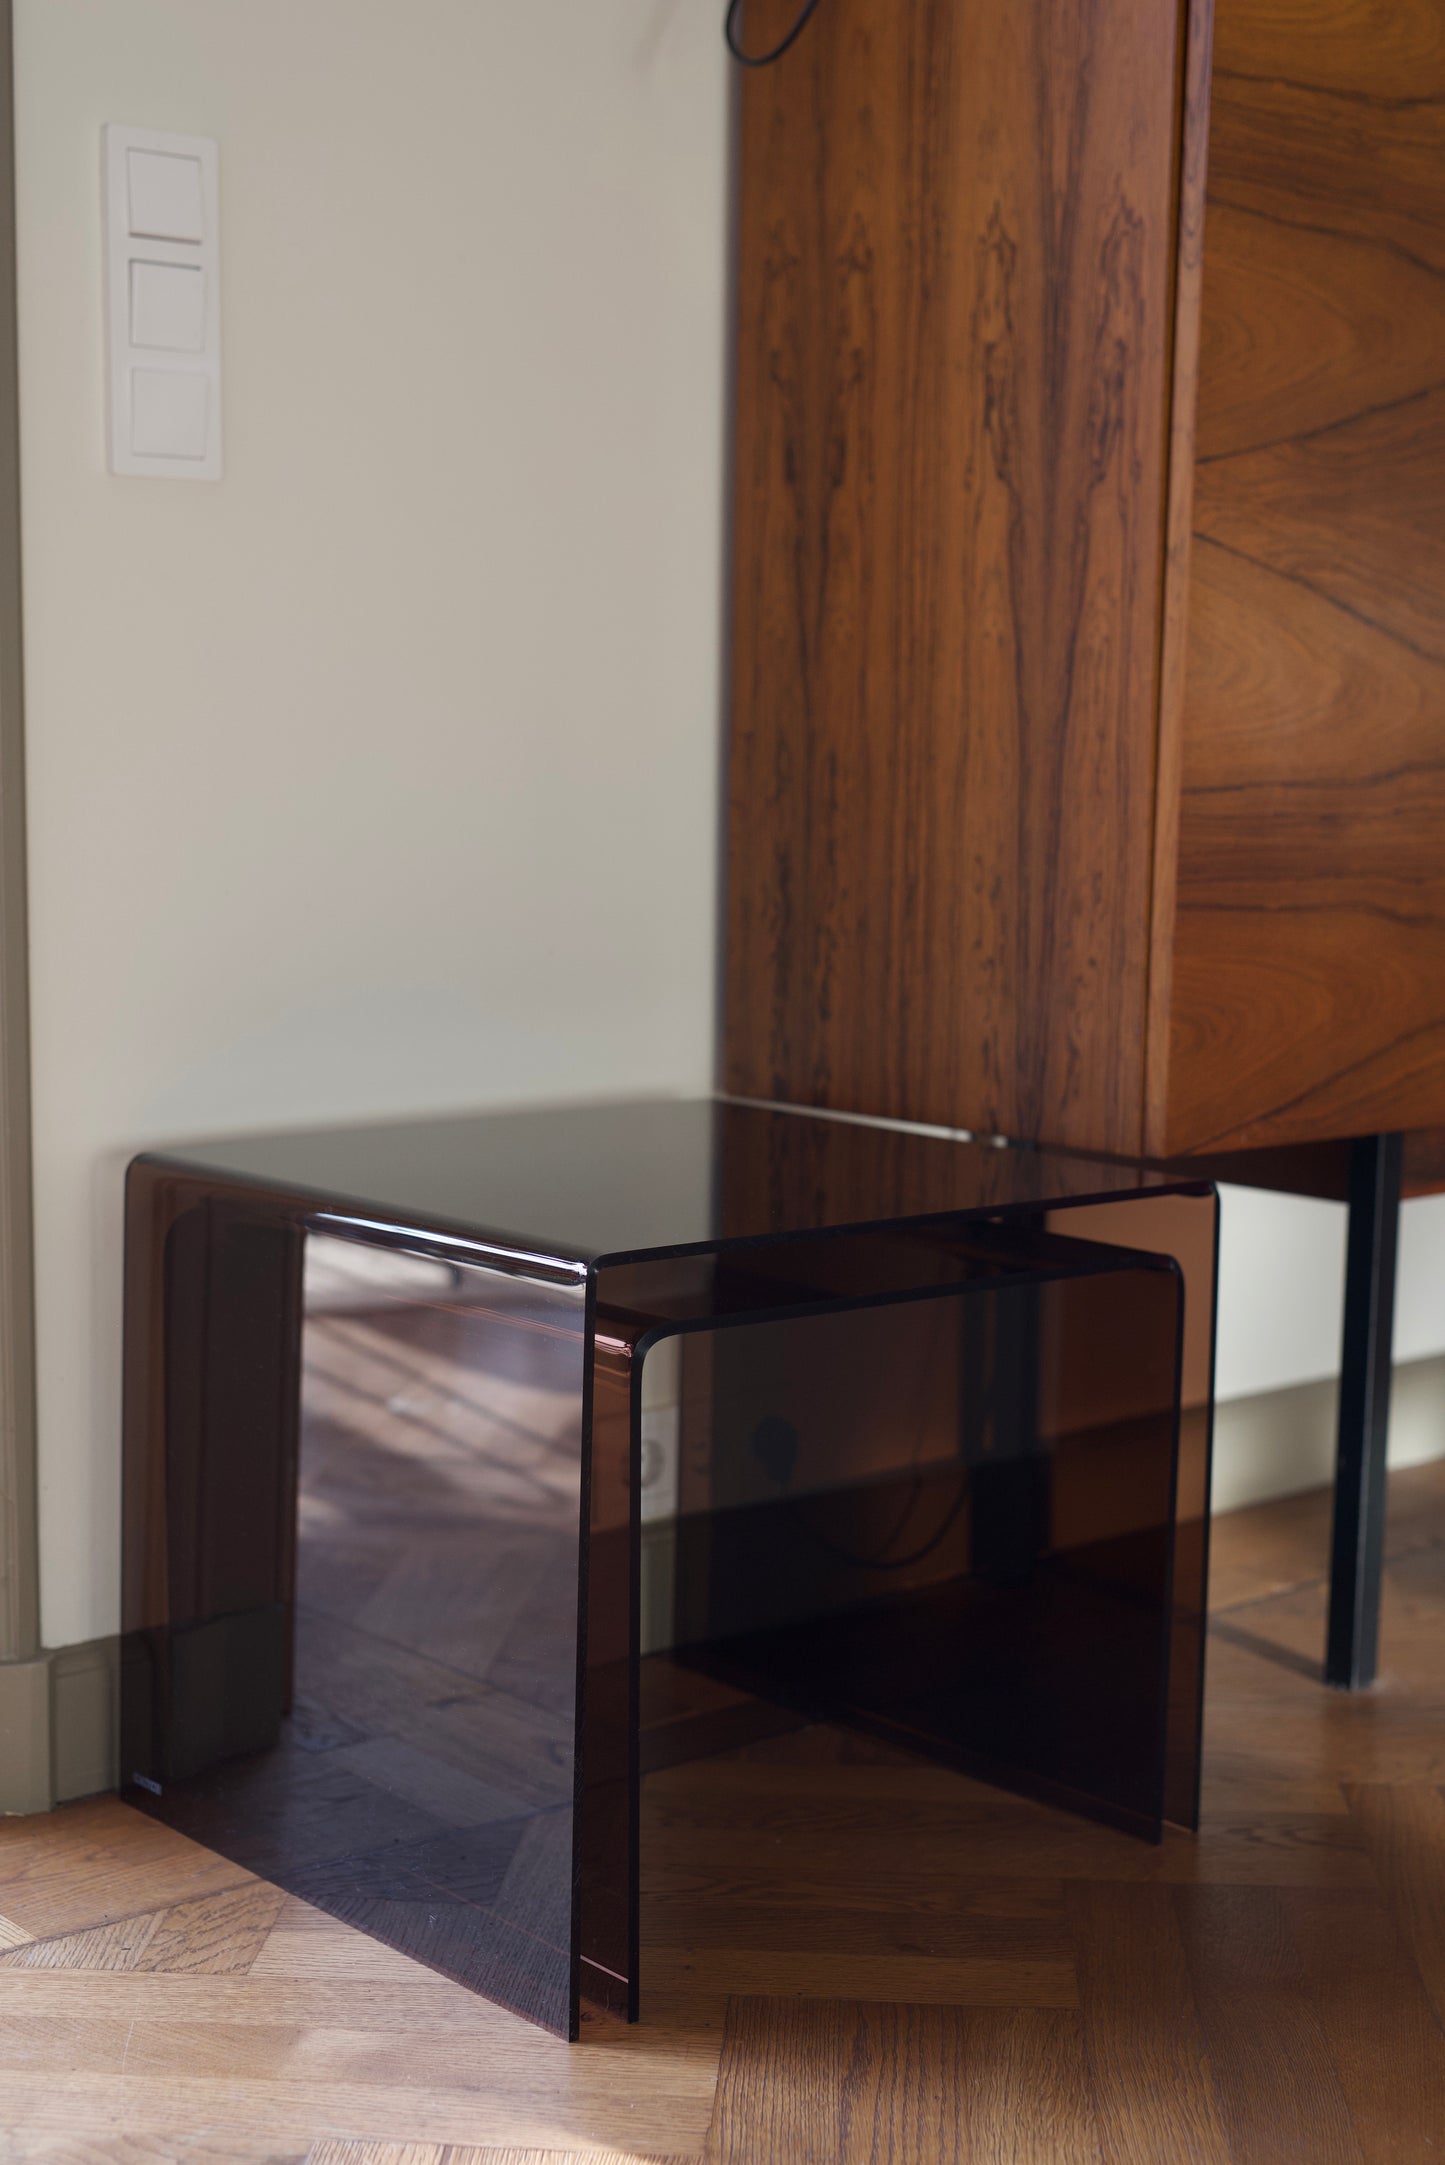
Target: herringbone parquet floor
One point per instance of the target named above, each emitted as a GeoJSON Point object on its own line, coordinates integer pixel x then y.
{"type": "Point", "coordinates": [848, 1956]}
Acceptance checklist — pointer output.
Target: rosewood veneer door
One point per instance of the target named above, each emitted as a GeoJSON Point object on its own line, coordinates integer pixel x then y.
{"type": "Point", "coordinates": [1308, 954]}
{"type": "Point", "coordinates": [1088, 756]}
{"type": "Point", "coordinates": [956, 280]}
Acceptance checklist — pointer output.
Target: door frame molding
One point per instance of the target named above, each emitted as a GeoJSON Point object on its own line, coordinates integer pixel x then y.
{"type": "Point", "coordinates": [19, 1533]}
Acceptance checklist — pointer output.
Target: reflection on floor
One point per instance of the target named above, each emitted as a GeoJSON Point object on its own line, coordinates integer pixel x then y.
{"type": "Point", "coordinates": [421, 1781]}
{"type": "Point", "coordinates": [435, 1634]}
{"type": "Point", "coordinates": [846, 1956]}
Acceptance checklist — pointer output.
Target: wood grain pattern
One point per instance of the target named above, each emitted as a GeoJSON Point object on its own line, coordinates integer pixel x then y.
{"type": "Point", "coordinates": [456, 2153]}
{"type": "Point", "coordinates": [1153, 2088]}
{"type": "Point", "coordinates": [1273, 2076]}
{"type": "Point", "coordinates": [1377, 2020]}
{"type": "Point", "coordinates": [1402, 1824]}
{"type": "Point", "coordinates": [1308, 993]}
{"type": "Point", "coordinates": [86, 1866]}
{"type": "Point", "coordinates": [42, 2147]}
{"type": "Point", "coordinates": [1178, 539]}
{"type": "Point", "coordinates": [846, 2084]}
{"type": "Point", "coordinates": [956, 249]}
{"type": "Point", "coordinates": [1264, 1992]}
{"type": "Point", "coordinates": [1047, 817]}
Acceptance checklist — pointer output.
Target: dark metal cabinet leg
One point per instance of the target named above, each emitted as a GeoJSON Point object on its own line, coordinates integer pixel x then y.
{"type": "Point", "coordinates": [1359, 1529]}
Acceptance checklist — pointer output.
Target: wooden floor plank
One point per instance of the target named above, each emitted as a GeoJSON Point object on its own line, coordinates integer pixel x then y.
{"type": "Point", "coordinates": [1271, 2070]}
{"type": "Point", "coordinates": [561, 2114]}
{"type": "Point", "coordinates": [211, 1934]}
{"type": "Point", "coordinates": [390, 2014]}
{"type": "Point", "coordinates": [681, 1886]}
{"type": "Point", "coordinates": [914, 1978]}
{"type": "Point", "coordinates": [377, 2153]}
{"type": "Point", "coordinates": [966, 1957]}
{"type": "Point", "coordinates": [1153, 2095]}
{"type": "Point", "coordinates": [116, 1946]}
{"type": "Point", "coordinates": [436, 2153]}
{"type": "Point", "coordinates": [1272, 1548]}
{"type": "Point", "coordinates": [306, 1943]}
{"type": "Point", "coordinates": [1403, 1826]}
{"type": "Point", "coordinates": [39, 2147]}
{"type": "Point", "coordinates": [61, 2049]}
{"type": "Point", "coordinates": [320, 2053]}
{"type": "Point", "coordinates": [876, 1839]}
{"type": "Point", "coordinates": [1387, 2047]}
{"type": "Point", "coordinates": [95, 1862]}
{"type": "Point", "coordinates": [836, 2083]}
{"type": "Point", "coordinates": [216, 1935]}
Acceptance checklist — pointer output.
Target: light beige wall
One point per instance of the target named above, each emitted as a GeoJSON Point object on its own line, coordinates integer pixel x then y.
{"type": "Point", "coordinates": [380, 776]}
{"type": "Point", "coordinates": [1282, 1289]}
{"type": "Point", "coordinates": [1281, 1442]}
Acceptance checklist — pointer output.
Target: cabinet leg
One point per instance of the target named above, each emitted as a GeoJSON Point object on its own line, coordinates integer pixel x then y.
{"type": "Point", "coordinates": [1359, 1526]}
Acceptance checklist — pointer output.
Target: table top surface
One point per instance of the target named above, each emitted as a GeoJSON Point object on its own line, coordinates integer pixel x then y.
{"type": "Point", "coordinates": [634, 1177]}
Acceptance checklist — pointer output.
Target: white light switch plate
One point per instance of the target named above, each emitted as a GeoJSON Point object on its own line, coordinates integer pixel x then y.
{"type": "Point", "coordinates": [163, 304]}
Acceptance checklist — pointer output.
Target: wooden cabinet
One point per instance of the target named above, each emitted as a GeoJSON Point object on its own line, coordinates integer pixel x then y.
{"type": "Point", "coordinates": [1087, 773]}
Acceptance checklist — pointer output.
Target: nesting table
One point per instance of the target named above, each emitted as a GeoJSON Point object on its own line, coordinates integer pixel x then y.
{"type": "Point", "coordinates": [474, 1464]}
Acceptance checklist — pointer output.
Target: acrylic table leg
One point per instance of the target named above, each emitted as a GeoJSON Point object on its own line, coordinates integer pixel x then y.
{"type": "Point", "coordinates": [212, 1402]}
{"type": "Point", "coordinates": [606, 1835]}
{"type": "Point", "coordinates": [1364, 1418]}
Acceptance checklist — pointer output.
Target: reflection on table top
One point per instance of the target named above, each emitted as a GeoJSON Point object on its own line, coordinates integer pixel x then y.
{"type": "Point", "coordinates": [632, 1177]}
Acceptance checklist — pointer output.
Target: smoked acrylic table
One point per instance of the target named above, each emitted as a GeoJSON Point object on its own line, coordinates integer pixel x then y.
{"type": "Point", "coordinates": [472, 1465]}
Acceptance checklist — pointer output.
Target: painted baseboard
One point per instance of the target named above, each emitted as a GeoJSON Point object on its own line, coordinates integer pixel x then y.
{"type": "Point", "coordinates": [25, 1776]}
{"type": "Point", "coordinates": [1281, 1442]}
{"type": "Point", "coordinates": [59, 1726]}
{"type": "Point", "coordinates": [84, 1718]}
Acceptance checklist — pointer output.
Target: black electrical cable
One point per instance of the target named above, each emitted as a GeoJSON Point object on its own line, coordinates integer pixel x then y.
{"type": "Point", "coordinates": [883, 1561]}
{"type": "Point", "coordinates": [762, 60]}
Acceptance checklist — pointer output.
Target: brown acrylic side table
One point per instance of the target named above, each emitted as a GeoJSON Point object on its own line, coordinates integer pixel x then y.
{"type": "Point", "coordinates": [937, 1465]}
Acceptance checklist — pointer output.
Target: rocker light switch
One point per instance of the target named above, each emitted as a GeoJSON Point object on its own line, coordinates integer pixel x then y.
{"type": "Point", "coordinates": [165, 194]}
{"type": "Point", "coordinates": [168, 413]}
{"type": "Point", "coordinates": [168, 306]}
{"type": "Point", "coordinates": [163, 314]}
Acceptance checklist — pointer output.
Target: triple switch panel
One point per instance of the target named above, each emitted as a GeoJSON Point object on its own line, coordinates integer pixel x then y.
{"type": "Point", "coordinates": [163, 304]}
